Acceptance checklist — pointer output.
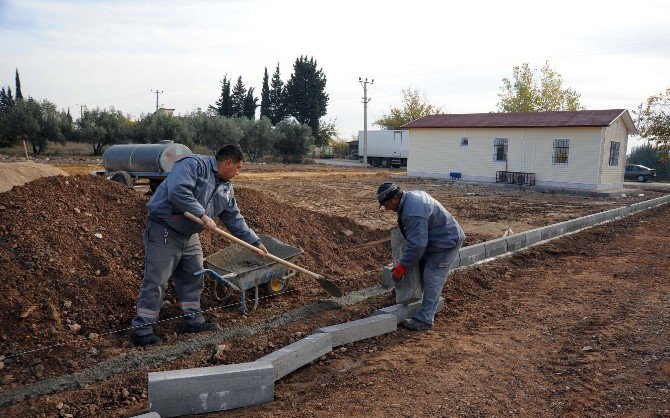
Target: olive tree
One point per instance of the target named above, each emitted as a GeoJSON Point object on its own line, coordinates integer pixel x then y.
{"type": "Point", "coordinates": [654, 122]}
{"type": "Point", "coordinates": [213, 130]}
{"type": "Point", "coordinates": [160, 126]}
{"type": "Point", "coordinates": [293, 140]}
{"type": "Point", "coordinates": [527, 94]}
{"type": "Point", "coordinates": [102, 128]}
{"type": "Point", "coordinates": [414, 106]}
{"type": "Point", "coordinates": [35, 122]}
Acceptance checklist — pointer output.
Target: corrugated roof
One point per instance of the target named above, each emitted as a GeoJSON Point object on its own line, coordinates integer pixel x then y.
{"type": "Point", "coordinates": [578, 118]}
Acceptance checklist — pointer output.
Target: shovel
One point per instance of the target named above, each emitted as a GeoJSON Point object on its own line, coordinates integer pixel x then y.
{"type": "Point", "coordinates": [326, 284]}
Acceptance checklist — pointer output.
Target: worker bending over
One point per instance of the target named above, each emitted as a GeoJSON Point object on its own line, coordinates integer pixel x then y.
{"type": "Point", "coordinates": [433, 241]}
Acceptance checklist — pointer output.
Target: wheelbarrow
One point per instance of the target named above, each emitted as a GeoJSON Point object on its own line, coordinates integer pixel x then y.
{"type": "Point", "coordinates": [236, 268]}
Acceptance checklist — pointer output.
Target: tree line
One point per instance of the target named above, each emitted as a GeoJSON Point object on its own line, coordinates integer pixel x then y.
{"type": "Point", "coordinates": [289, 119]}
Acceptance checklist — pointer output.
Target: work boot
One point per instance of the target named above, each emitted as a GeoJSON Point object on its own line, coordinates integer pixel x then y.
{"type": "Point", "coordinates": [144, 340]}
{"type": "Point", "coordinates": [416, 325]}
{"type": "Point", "coordinates": [195, 328]}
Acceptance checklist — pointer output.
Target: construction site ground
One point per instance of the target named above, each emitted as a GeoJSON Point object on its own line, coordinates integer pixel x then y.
{"type": "Point", "coordinates": [575, 327]}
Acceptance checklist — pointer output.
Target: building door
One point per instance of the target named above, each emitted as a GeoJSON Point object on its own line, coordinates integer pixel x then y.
{"type": "Point", "coordinates": [397, 143]}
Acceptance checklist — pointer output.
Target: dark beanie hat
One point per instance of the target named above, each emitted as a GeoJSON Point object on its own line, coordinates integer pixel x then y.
{"type": "Point", "coordinates": [386, 191]}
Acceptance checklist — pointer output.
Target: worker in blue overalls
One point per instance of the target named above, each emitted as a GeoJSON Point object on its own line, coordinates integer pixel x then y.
{"type": "Point", "coordinates": [200, 185]}
{"type": "Point", "coordinates": [433, 237]}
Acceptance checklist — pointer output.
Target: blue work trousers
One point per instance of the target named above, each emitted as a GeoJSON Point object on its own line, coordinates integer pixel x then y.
{"type": "Point", "coordinates": [168, 253]}
{"type": "Point", "coordinates": [434, 271]}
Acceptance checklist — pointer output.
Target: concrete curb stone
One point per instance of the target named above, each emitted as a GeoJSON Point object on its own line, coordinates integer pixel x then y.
{"type": "Point", "coordinates": [533, 236]}
{"type": "Point", "coordinates": [210, 389]}
{"type": "Point", "coordinates": [495, 247]}
{"type": "Point", "coordinates": [515, 242]}
{"type": "Point", "coordinates": [471, 254]}
{"type": "Point", "coordinates": [360, 329]}
{"type": "Point", "coordinates": [294, 356]}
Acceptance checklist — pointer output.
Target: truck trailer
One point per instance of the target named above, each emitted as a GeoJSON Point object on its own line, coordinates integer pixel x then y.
{"type": "Point", "coordinates": [386, 148]}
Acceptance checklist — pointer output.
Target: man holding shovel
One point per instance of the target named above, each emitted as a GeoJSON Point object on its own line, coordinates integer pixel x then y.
{"type": "Point", "coordinates": [200, 185]}
{"type": "Point", "coordinates": [433, 241]}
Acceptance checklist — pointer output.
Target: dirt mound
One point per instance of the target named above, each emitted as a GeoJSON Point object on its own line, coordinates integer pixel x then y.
{"type": "Point", "coordinates": [16, 174]}
{"type": "Point", "coordinates": [72, 256]}
{"type": "Point", "coordinates": [73, 259]}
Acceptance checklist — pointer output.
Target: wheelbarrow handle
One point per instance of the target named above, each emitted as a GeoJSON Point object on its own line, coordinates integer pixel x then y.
{"type": "Point", "coordinates": [255, 249]}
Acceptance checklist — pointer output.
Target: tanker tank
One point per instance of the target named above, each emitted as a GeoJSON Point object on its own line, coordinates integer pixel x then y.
{"type": "Point", "coordinates": [144, 160]}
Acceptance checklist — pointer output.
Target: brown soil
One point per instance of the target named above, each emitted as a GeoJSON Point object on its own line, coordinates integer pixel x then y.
{"type": "Point", "coordinates": [575, 327]}
{"type": "Point", "coordinates": [485, 212]}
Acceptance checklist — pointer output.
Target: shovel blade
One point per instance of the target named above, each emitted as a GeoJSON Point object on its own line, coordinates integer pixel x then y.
{"type": "Point", "coordinates": [329, 287]}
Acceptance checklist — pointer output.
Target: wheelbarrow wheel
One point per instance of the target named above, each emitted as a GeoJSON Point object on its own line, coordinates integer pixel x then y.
{"type": "Point", "coordinates": [276, 286]}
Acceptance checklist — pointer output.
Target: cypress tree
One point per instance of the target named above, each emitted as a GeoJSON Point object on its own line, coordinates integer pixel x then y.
{"type": "Point", "coordinates": [224, 106]}
{"type": "Point", "coordinates": [238, 96]}
{"type": "Point", "coordinates": [18, 94]}
{"type": "Point", "coordinates": [6, 100]}
{"type": "Point", "coordinates": [305, 95]}
{"type": "Point", "coordinates": [265, 96]}
{"type": "Point", "coordinates": [250, 104]}
{"type": "Point", "coordinates": [3, 102]}
{"type": "Point", "coordinates": [276, 96]}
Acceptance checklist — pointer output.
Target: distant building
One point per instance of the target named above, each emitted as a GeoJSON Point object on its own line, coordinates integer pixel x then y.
{"type": "Point", "coordinates": [583, 150]}
{"type": "Point", "coordinates": [164, 111]}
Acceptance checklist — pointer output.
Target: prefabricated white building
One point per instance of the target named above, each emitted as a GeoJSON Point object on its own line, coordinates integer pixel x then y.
{"type": "Point", "coordinates": [583, 149]}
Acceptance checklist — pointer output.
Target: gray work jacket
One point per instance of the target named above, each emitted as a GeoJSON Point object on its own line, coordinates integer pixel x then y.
{"type": "Point", "coordinates": [426, 225]}
{"type": "Point", "coordinates": [193, 185]}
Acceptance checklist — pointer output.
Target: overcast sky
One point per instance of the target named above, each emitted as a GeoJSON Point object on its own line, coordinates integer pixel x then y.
{"type": "Point", "coordinates": [113, 53]}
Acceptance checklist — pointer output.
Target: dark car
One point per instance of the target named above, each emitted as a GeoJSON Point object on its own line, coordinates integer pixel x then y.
{"type": "Point", "coordinates": [639, 172]}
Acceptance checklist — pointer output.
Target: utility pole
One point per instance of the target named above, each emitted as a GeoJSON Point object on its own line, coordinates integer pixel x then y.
{"type": "Point", "coordinates": [157, 93]}
{"type": "Point", "coordinates": [81, 110]}
{"type": "Point", "coordinates": [364, 83]}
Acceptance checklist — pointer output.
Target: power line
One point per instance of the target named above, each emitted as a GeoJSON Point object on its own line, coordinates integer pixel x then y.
{"type": "Point", "coordinates": [580, 54]}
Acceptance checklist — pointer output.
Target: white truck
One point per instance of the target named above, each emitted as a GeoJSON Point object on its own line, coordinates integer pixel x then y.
{"type": "Point", "coordinates": [386, 148]}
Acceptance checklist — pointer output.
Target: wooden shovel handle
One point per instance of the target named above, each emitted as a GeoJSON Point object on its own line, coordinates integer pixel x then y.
{"type": "Point", "coordinates": [254, 249]}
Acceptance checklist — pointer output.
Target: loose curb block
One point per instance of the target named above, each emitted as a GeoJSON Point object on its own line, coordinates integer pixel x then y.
{"type": "Point", "coordinates": [210, 389]}
{"type": "Point", "coordinates": [360, 329]}
{"type": "Point", "coordinates": [294, 356]}
{"type": "Point", "coordinates": [387, 280]}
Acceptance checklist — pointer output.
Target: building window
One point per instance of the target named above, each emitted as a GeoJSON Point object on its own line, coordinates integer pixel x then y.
{"type": "Point", "coordinates": [464, 142]}
{"type": "Point", "coordinates": [500, 149]}
{"type": "Point", "coordinates": [614, 152]}
{"type": "Point", "coordinates": [561, 151]}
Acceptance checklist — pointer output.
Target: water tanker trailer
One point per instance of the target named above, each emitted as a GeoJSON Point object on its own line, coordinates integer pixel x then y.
{"type": "Point", "coordinates": [128, 163]}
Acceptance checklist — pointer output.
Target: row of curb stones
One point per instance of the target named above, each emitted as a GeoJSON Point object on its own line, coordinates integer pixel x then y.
{"type": "Point", "coordinates": [217, 388]}
{"type": "Point", "coordinates": [489, 249]}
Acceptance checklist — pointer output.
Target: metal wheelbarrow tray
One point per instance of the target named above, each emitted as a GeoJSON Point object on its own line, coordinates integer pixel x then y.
{"type": "Point", "coordinates": [240, 269]}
